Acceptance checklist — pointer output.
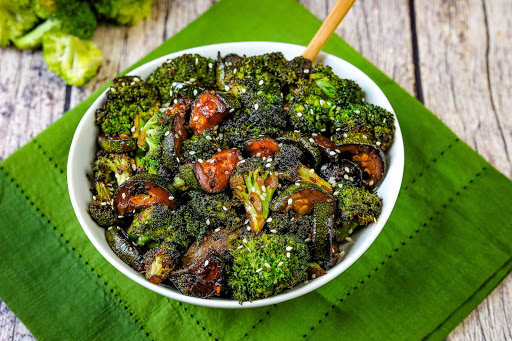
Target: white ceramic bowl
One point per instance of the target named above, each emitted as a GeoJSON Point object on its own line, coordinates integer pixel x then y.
{"type": "Point", "coordinates": [83, 149]}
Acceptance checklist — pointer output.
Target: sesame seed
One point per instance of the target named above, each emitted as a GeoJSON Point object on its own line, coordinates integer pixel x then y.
{"type": "Point", "coordinates": [328, 103]}
{"type": "Point", "coordinates": [207, 221]}
{"type": "Point", "coordinates": [375, 220]}
{"type": "Point", "coordinates": [167, 133]}
{"type": "Point", "coordinates": [243, 90]}
{"type": "Point", "coordinates": [371, 183]}
{"type": "Point", "coordinates": [123, 195]}
{"type": "Point", "coordinates": [176, 136]}
{"type": "Point", "coordinates": [312, 140]}
{"type": "Point", "coordinates": [192, 80]}
{"type": "Point", "coordinates": [132, 129]}
{"type": "Point", "coordinates": [287, 255]}
{"type": "Point", "coordinates": [297, 184]}
{"type": "Point", "coordinates": [357, 112]}
{"type": "Point", "coordinates": [332, 153]}
{"type": "Point", "coordinates": [208, 137]}
{"type": "Point", "coordinates": [336, 193]}
{"type": "Point", "coordinates": [261, 82]}
{"type": "Point", "coordinates": [280, 263]}
{"type": "Point", "coordinates": [332, 179]}
{"type": "Point", "coordinates": [206, 263]}
{"type": "Point", "coordinates": [134, 167]}
{"type": "Point", "coordinates": [313, 276]}
{"type": "Point", "coordinates": [311, 111]}
{"type": "Point", "coordinates": [195, 92]}
{"type": "Point", "coordinates": [306, 70]}
{"type": "Point", "coordinates": [267, 265]}
{"type": "Point", "coordinates": [263, 188]}
{"type": "Point", "coordinates": [210, 65]}
{"type": "Point", "coordinates": [218, 149]}
{"type": "Point", "coordinates": [340, 185]}
{"type": "Point", "coordinates": [268, 165]}
{"type": "Point", "coordinates": [345, 135]}
{"type": "Point", "coordinates": [290, 201]}
{"type": "Point", "coordinates": [120, 216]}
{"type": "Point", "coordinates": [350, 231]}
{"type": "Point", "coordinates": [192, 152]}
{"type": "Point", "coordinates": [224, 208]}
{"type": "Point", "coordinates": [312, 170]}
{"type": "Point", "coordinates": [256, 106]}
{"type": "Point", "coordinates": [103, 203]}
{"type": "Point", "coordinates": [307, 240]}
{"type": "Point", "coordinates": [171, 197]}
{"type": "Point", "coordinates": [259, 269]}
{"type": "Point", "coordinates": [175, 101]}
{"type": "Point", "coordinates": [299, 114]}
{"type": "Point", "coordinates": [350, 240]}
{"type": "Point", "coordinates": [322, 130]}
{"type": "Point", "coordinates": [226, 88]}
{"type": "Point", "coordinates": [269, 220]}
{"type": "Point", "coordinates": [232, 109]}
{"type": "Point", "coordinates": [93, 197]}
{"type": "Point", "coordinates": [378, 143]}
{"type": "Point", "coordinates": [217, 229]}
{"type": "Point", "coordinates": [200, 160]}
{"type": "Point", "coordinates": [306, 281]}
{"type": "Point", "coordinates": [289, 248]}
{"type": "Point", "coordinates": [322, 102]}
{"type": "Point", "coordinates": [273, 231]}
{"type": "Point", "coordinates": [314, 134]}
{"type": "Point", "coordinates": [345, 177]}
{"type": "Point", "coordinates": [347, 170]}
{"type": "Point", "coordinates": [365, 137]}
{"type": "Point", "coordinates": [238, 248]}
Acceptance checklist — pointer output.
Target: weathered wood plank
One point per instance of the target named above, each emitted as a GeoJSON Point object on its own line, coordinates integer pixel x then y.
{"type": "Point", "coordinates": [466, 80]}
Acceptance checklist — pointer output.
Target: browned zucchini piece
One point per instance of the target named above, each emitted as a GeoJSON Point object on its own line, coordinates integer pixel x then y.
{"type": "Point", "coordinates": [300, 197]}
{"type": "Point", "coordinates": [213, 174]}
{"type": "Point", "coordinates": [123, 247]}
{"type": "Point", "coordinates": [315, 270]}
{"type": "Point", "coordinates": [262, 147]}
{"type": "Point", "coordinates": [119, 144]}
{"type": "Point", "coordinates": [142, 191]}
{"type": "Point", "coordinates": [160, 261]}
{"type": "Point", "coordinates": [370, 159]}
{"type": "Point", "coordinates": [173, 142]}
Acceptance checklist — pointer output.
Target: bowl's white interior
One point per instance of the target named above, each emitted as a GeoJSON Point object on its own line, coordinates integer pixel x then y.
{"type": "Point", "coordinates": [83, 149]}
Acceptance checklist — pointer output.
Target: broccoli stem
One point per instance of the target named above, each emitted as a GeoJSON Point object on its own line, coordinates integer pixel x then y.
{"type": "Point", "coordinates": [33, 39]}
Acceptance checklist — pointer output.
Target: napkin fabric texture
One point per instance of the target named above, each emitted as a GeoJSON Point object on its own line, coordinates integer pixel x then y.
{"type": "Point", "coordinates": [447, 244]}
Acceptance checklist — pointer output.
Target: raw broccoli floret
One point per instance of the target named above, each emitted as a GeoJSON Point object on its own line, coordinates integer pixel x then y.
{"type": "Point", "coordinates": [313, 103]}
{"type": "Point", "coordinates": [202, 146]}
{"type": "Point", "coordinates": [16, 18]}
{"type": "Point", "coordinates": [179, 76]}
{"type": "Point", "coordinates": [130, 103]}
{"type": "Point", "coordinates": [67, 16]}
{"type": "Point", "coordinates": [365, 123]}
{"type": "Point", "coordinates": [356, 206]}
{"type": "Point", "coordinates": [266, 265]}
{"type": "Point", "coordinates": [150, 141]}
{"type": "Point", "coordinates": [124, 12]}
{"type": "Point", "coordinates": [254, 183]}
{"type": "Point", "coordinates": [74, 60]}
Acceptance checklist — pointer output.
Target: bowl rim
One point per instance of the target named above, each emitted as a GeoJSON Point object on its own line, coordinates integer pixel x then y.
{"type": "Point", "coordinates": [299, 290]}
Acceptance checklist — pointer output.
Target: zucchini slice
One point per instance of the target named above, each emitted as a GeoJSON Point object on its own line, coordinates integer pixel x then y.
{"type": "Point", "coordinates": [121, 144]}
{"type": "Point", "coordinates": [173, 142]}
{"type": "Point", "coordinates": [301, 197]}
{"type": "Point", "coordinates": [123, 247]}
{"type": "Point", "coordinates": [312, 155]}
{"type": "Point", "coordinates": [323, 227]}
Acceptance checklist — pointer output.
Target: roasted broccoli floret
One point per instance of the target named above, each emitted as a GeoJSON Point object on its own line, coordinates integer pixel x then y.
{"type": "Point", "coordinates": [74, 60]}
{"type": "Point", "coordinates": [150, 141]}
{"type": "Point", "coordinates": [159, 223]}
{"type": "Point", "coordinates": [291, 223]}
{"type": "Point", "coordinates": [312, 105]}
{"type": "Point", "coordinates": [254, 183]}
{"type": "Point", "coordinates": [296, 69]}
{"type": "Point", "coordinates": [101, 208]}
{"type": "Point", "coordinates": [202, 146]}
{"type": "Point", "coordinates": [181, 75]}
{"type": "Point", "coordinates": [130, 103]}
{"type": "Point", "coordinates": [236, 131]}
{"type": "Point", "coordinates": [214, 210]}
{"type": "Point", "coordinates": [16, 18]}
{"type": "Point", "coordinates": [113, 167]}
{"type": "Point", "coordinates": [266, 265]}
{"type": "Point", "coordinates": [160, 261]}
{"type": "Point", "coordinates": [356, 207]}
{"type": "Point", "coordinates": [124, 12]}
{"type": "Point", "coordinates": [72, 17]}
{"type": "Point", "coordinates": [365, 123]}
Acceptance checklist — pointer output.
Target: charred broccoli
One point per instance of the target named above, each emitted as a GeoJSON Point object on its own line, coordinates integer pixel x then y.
{"type": "Point", "coordinates": [254, 184]}
{"type": "Point", "coordinates": [183, 73]}
{"type": "Point", "coordinates": [291, 223]}
{"type": "Point", "coordinates": [74, 60]}
{"type": "Point", "coordinates": [202, 146]}
{"type": "Point", "coordinates": [365, 123]}
{"type": "Point", "coordinates": [214, 210]}
{"type": "Point", "coordinates": [312, 105]}
{"type": "Point", "coordinates": [124, 12]}
{"type": "Point", "coordinates": [130, 103]}
{"type": "Point", "coordinates": [73, 17]}
{"type": "Point", "coordinates": [356, 207]}
{"type": "Point", "coordinates": [160, 261]}
{"type": "Point", "coordinates": [266, 265]}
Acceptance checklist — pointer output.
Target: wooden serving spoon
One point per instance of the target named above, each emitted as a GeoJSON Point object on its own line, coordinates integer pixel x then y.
{"type": "Point", "coordinates": [328, 27]}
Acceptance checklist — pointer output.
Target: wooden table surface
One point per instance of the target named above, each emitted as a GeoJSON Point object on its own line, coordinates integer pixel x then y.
{"type": "Point", "coordinates": [453, 55]}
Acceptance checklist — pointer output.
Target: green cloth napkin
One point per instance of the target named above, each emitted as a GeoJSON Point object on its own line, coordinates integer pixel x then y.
{"type": "Point", "coordinates": [447, 244]}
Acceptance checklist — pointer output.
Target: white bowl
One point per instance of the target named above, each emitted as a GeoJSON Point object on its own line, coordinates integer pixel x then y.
{"type": "Point", "coordinates": [83, 149]}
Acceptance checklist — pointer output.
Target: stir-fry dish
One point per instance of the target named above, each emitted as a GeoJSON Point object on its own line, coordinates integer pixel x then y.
{"type": "Point", "coordinates": [237, 177]}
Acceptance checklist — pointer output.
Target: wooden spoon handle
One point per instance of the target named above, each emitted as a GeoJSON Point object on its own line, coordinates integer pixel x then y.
{"type": "Point", "coordinates": [328, 27]}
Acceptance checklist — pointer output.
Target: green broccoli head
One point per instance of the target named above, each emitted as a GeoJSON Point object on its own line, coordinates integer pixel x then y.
{"type": "Point", "coordinates": [356, 206]}
{"type": "Point", "coordinates": [202, 146]}
{"type": "Point", "coordinates": [296, 69]}
{"type": "Point", "coordinates": [236, 131]}
{"type": "Point", "coordinates": [74, 60]}
{"type": "Point", "coordinates": [266, 265]}
{"type": "Point", "coordinates": [16, 18]}
{"type": "Point", "coordinates": [160, 223]}
{"type": "Point", "coordinates": [124, 12]}
{"type": "Point", "coordinates": [181, 75]}
{"type": "Point", "coordinates": [292, 224]}
{"type": "Point", "coordinates": [365, 123]}
{"type": "Point", "coordinates": [150, 141]}
{"type": "Point", "coordinates": [214, 210]}
{"type": "Point", "coordinates": [313, 103]}
{"type": "Point", "coordinates": [130, 103]}
{"type": "Point", "coordinates": [72, 17]}
{"type": "Point", "coordinates": [254, 183]}
{"type": "Point", "coordinates": [113, 167]}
